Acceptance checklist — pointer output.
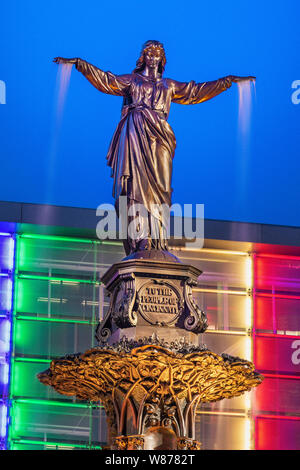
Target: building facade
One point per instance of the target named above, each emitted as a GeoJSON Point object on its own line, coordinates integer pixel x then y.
{"type": "Point", "coordinates": [52, 298]}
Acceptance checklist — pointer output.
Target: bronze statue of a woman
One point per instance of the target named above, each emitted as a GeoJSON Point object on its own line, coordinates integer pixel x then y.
{"type": "Point", "coordinates": [143, 145]}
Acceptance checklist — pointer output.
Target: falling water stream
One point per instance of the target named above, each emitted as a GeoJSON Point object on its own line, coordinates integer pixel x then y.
{"type": "Point", "coordinates": [61, 89]}
{"type": "Point", "coordinates": [246, 92]}
{"type": "Point", "coordinates": [247, 97]}
{"type": "Point", "coordinates": [63, 81]}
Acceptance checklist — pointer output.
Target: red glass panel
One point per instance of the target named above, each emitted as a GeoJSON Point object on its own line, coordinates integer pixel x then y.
{"type": "Point", "coordinates": [280, 354]}
{"type": "Point", "coordinates": [278, 274]}
{"type": "Point", "coordinates": [277, 313]}
{"type": "Point", "coordinates": [281, 395]}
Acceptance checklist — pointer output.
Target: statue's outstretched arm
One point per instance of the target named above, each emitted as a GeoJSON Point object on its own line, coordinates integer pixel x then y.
{"type": "Point", "coordinates": [106, 82]}
{"type": "Point", "coordinates": [193, 93]}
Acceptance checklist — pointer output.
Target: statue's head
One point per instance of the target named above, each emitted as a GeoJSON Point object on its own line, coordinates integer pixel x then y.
{"type": "Point", "coordinates": [152, 55]}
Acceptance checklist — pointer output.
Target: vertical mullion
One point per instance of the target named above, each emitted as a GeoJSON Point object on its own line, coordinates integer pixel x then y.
{"type": "Point", "coordinates": [9, 254]}
{"type": "Point", "coordinates": [13, 339]}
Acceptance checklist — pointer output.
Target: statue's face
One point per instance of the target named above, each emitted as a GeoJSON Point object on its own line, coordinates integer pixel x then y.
{"type": "Point", "coordinates": [153, 56]}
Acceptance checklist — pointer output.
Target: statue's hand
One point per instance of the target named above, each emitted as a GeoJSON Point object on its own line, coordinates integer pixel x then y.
{"type": "Point", "coordinates": [236, 79]}
{"type": "Point", "coordinates": [61, 60]}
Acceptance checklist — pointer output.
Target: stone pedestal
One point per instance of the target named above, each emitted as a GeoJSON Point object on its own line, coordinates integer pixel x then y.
{"type": "Point", "coordinates": [151, 295]}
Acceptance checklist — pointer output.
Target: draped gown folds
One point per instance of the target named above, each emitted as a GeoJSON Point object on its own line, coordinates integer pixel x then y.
{"type": "Point", "coordinates": [143, 145]}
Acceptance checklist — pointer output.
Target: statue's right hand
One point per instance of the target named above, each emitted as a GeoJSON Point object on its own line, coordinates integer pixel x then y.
{"type": "Point", "coordinates": [62, 60]}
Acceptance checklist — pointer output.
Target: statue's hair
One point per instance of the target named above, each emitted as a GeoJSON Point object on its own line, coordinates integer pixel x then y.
{"type": "Point", "coordinates": [140, 64]}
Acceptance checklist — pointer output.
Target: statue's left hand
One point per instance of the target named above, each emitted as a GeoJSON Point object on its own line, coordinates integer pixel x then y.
{"type": "Point", "coordinates": [237, 79]}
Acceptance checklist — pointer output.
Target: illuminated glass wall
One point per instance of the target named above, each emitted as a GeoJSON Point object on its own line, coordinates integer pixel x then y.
{"type": "Point", "coordinates": [277, 351]}
{"type": "Point", "coordinates": [7, 246]}
{"type": "Point", "coordinates": [58, 301]}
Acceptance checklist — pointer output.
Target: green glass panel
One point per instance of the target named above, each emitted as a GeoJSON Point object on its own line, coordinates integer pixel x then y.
{"type": "Point", "coordinates": [35, 421]}
{"type": "Point", "coordinates": [26, 383]}
{"type": "Point", "coordinates": [30, 446]}
{"type": "Point", "coordinates": [42, 255]}
{"type": "Point", "coordinates": [59, 299]}
{"type": "Point", "coordinates": [34, 236]}
{"type": "Point", "coordinates": [51, 339]}
{"type": "Point", "coordinates": [51, 445]}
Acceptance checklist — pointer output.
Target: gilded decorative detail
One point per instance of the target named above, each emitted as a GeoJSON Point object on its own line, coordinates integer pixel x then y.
{"type": "Point", "coordinates": [99, 371]}
{"type": "Point", "coordinates": [129, 443]}
{"type": "Point", "coordinates": [184, 443]}
{"type": "Point", "coordinates": [150, 385]}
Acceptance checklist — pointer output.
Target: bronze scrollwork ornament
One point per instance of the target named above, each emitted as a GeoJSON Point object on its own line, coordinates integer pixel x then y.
{"type": "Point", "coordinates": [150, 388]}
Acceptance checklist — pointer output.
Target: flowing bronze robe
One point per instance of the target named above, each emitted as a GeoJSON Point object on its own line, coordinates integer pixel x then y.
{"type": "Point", "coordinates": [143, 145]}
